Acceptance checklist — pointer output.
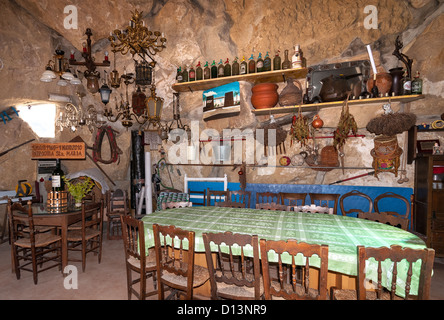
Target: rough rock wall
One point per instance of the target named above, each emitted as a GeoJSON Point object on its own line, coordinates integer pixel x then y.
{"type": "Point", "coordinates": [201, 30]}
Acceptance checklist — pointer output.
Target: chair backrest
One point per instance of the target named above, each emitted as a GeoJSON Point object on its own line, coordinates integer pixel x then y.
{"type": "Point", "coordinates": [228, 247]}
{"type": "Point", "coordinates": [198, 202]}
{"type": "Point", "coordinates": [171, 205]}
{"type": "Point", "coordinates": [20, 218]}
{"type": "Point", "coordinates": [133, 235]}
{"type": "Point", "coordinates": [325, 200]}
{"type": "Point", "coordinates": [92, 216]}
{"type": "Point", "coordinates": [292, 290]}
{"type": "Point", "coordinates": [354, 208]}
{"type": "Point", "coordinates": [389, 198]}
{"type": "Point", "coordinates": [383, 217]}
{"type": "Point", "coordinates": [315, 209]}
{"type": "Point", "coordinates": [229, 204]}
{"type": "Point", "coordinates": [267, 197]}
{"type": "Point", "coordinates": [292, 199]}
{"type": "Point", "coordinates": [396, 254]}
{"type": "Point", "coordinates": [179, 263]}
{"type": "Point", "coordinates": [216, 196]}
{"type": "Point", "coordinates": [117, 202]}
{"type": "Point", "coordinates": [240, 196]}
{"type": "Point", "coordinates": [273, 206]}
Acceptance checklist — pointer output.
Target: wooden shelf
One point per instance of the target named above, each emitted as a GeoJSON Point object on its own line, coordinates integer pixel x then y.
{"type": "Point", "coordinates": [261, 77]}
{"type": "Point", "coordinates": [315, 106]}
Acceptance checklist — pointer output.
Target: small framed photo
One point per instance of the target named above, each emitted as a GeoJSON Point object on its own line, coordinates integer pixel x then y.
{"type": "Point", "coordinates": [428, 146]}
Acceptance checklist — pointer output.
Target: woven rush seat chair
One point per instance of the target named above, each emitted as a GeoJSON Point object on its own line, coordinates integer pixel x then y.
{"type": "Point", "coordinates": [292, 199]}
{"type": "Point", "coordinates": [325, 199]}
{"type": "Point", "coordinates": [267, 197]}
{"type": "Point", "coordinates": [175, 263]}
{"type": "Point", "coordinates": [216, 196]}
{"type": "Point", "coordinates": [31, 247]}
{"type": "Point", "coordinates": [393, 199]}
{"type": "Point", "coordinates": [136, 260]}
{"type": "Point", "coordinates": [273, 206]}
{"type": "Point", "coordinates": [280, 288]}
{"type": "Point", "coordinates": [396, 254]}
{"type": "Point", "coordinates": [241, 196]}
{"type": "Point", "coordinates": [116, 205]}
{"type": "Point", "coordinates": [227, 282]}
{"type": "Point", "coordinates": [383, 217]}
{"type": "Point", "coordinates": [354, 194]}
{"type": "Point", "coordinates": [90, 236]}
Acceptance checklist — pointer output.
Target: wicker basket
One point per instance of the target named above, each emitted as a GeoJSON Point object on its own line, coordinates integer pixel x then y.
{"type": "Point", "coordinates": [328, 158]}
{"type": "Point", "coordinates": [57, 201]}
{"type": "Point", "coordinates": [386, 145]}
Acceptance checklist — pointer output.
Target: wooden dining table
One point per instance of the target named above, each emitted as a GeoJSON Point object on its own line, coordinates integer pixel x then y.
{"type": "Point", "coordinates": [341, 233]}
{"type": "Point", "coordinates": [42, 217]}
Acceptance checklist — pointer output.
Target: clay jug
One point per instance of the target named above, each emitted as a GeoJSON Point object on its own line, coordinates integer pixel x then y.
{"type": "Point", "coordinates": [291, 95]}
{"type": "Point", "coordinates": [264, 95]}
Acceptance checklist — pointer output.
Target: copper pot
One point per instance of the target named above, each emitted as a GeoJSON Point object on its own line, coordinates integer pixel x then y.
{"type": "Point", "coordinates": [264, 95]}
{"type": "Point", "coordinates": [383, 82]}
{"type": "Point", "coordinates": [317, 122]}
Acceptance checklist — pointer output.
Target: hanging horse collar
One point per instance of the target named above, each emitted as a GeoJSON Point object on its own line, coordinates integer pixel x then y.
{"type": "Point", "coordinates": [97, 149]}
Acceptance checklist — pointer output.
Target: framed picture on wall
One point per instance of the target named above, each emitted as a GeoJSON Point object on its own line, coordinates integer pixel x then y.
{"type": "Point", "coordinates": [427, 146]}
{"type": "Point", "coordinates": [221, 102]}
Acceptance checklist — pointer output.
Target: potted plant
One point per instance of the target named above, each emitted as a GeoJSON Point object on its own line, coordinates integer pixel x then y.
{"type": "Point", "coordinates": [80, 189]}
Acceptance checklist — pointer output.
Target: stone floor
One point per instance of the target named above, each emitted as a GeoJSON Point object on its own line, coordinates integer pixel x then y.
{"type": "Point", "coordinates": [104, 281]}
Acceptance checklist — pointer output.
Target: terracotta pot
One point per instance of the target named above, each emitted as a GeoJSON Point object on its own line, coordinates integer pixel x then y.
{"type": "Point", "coordinates": [317, 122]}
{"type": "Point", "coordinates": [383, 82]}
{"type": "Point", "coordinates": [264, 95]}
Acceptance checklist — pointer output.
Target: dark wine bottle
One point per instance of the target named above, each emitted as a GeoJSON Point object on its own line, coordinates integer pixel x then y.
{"type": "Point", "coordinates": [213, 70]}
{"type": "Point", "coordinates": [207, 72]}
{"type": "Point", "coordinates": [57, 182]}
{"type": "Point", "coordinates": [235, 67]}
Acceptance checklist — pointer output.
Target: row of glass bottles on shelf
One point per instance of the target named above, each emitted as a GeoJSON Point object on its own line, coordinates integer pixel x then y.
{"type": "Point", "coordinates": [252, 66]}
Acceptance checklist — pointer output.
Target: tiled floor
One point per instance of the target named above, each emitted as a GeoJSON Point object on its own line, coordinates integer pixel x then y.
{"type": "Point", "coordinates": [106, 280]}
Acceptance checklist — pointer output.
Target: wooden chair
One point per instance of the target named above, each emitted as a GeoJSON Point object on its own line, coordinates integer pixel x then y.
{"type": "Point", "coordinates": [273, 206]}
{"type": "Point", "coordinates": [217, 196]}
{"type": "Point", "coordinates": [280, 288]}
{"type": "Point", "coordinates": [354, 209]}
{"type": "Point", "coordinates": [137, 261]}
{"type": "Point", "coordinates": [292, 198]}
{"type": "Point", "coordinates": [267, 197]}
{"type": "Point", "coordinates": [202, 193]}
{"type": "Point", "coordinates": [172, 205]}
{"type": "Point", "coordinates": [240, 196]}
{"type": "Point", "coordinates": [324, 200]}
{"type": "Point", "coordinates": [383, 217]}
{"type": "Point", "coordinates": [230, 204]}
{"type": "Point", "coordinates": [90, 236]}
{"type": "Point", "coordinates": [392, 198]}
{"type": "Point", "coordinates": [227, 282]}
{"type": "Point", "coordinates": [396, 254]}
{"type": "Point", "coordinates": [31, 246]}
{"type": "Point", "coordinates": [117, 205]}
{"type": "Point", "coordinates": [175, 262]}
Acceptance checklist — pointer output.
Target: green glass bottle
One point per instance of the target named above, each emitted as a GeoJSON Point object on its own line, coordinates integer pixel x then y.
{"type": "Point", "coordinates": [179, 77]}
{"type": "Point", "coordinates": [199, 72]}
{"type": "Point", "coordinates": [213, 70]}
{"type": "Point", "coordinates": [185, 74]}
{"type": "Point", "coordinates": [417, 84]}
{"type": "Point", "coordinates": [227, 68]}
{"type": "Point", "coordinates": [251, 64]}
{"type": "Point", "coordinates": [235, 67]}
{"type": "Point", "coordinates": [267, 63]}
{"type": "Point", "coordinates": [243, 66]}
{"type": "Point", "coordinates": [277, 61]}
{"type": "Point", "coordinates": [259, 63]}
{"type": "Point", "coordinates": [220, 69]}
{"type": "Point", "coordinates": [56, 179]}
{"type": "Point", "coordinates": [207, 71]}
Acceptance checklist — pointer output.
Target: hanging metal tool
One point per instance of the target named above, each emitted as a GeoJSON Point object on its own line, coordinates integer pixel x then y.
{"type": "Point", "coordinates": [352, 178]}
{"type": "Point", "coordinates": [5, 152]}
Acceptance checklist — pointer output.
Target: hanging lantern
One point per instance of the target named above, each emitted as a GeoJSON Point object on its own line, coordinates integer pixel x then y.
{"type": "Point", "coordinates": [138, 102]}
{"type": "Point", "coordinates": [143, 73]}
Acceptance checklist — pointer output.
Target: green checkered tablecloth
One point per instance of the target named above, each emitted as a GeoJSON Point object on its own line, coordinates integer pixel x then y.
{"type": "Point", "coordinates": [342, 234]}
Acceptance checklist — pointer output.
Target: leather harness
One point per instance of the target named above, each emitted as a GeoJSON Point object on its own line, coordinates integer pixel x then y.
{"type": "Point", "coordinates": [97, 148]}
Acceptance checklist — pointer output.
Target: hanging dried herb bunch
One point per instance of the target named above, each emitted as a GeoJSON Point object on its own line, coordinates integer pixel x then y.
{"type": "Point", "coordinates": [391, 124]}
{"type": "Point", "coordinates": [346, 124]}
{"type": "Point", "coordinates": [299, 128]}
